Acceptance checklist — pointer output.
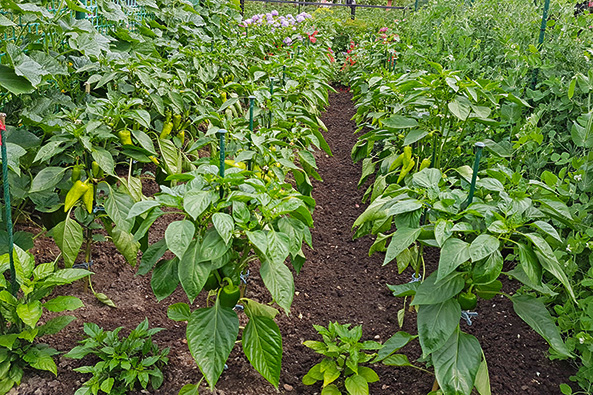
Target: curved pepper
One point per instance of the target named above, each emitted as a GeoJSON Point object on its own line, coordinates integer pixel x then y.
{"type": "Point", "coordinates": [78, 189]}
{"type": "Point", "coordinates": [406, 170]}
{"type": "Point", "coordinates": [176, 121]}
{"type": "Point", "coordinates": [397, 162]}
{"type": "Point", "coordinates": [88, 198]}
{"type": "Point", "coordinates": [167, 128]}
{"type": "Point", "coordinates": [97, 172]}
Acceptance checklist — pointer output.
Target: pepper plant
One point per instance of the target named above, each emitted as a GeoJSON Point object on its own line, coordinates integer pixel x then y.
{"type": "Point", "coordinates": [506, 214]}
{"type": "Point", "coordinates": [20, 315]}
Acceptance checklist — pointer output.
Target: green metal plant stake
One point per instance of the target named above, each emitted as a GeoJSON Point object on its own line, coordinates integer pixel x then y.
{"type": "Point", "coordinates": [540, 41]}
{"type": "Point", "coordinates": [251, 104]}
{"type": "Point", "coordinates": [271, 94]}
{"type": "Point", "coordinates": [221, 133]}
{"type": "Point", "coordinates": [14, 286]}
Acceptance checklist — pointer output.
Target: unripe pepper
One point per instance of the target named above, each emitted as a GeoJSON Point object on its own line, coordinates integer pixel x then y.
{"type": "Point", "coordinates": [176, 121]}
{"type": "Point", "coordinates": [212, 282]}
{"type": "Point", "coordinates": [167, 128]}
{"type": "Point", "coordinates": [406, 170]}
{"type": "Point", "coordinates": [125, 137]}
{"type": "Point", "coordinates": [78, 189]}
{"type": "Point", "coordinates": [229, 295]}
{"type": "Point", "coordinates": [97, 172]}
{"type": "Point", "coordinates": [76, 173]}
{"type": "Point", "coordinates": [407, 155]}
{"type": "Point", "coordinates": [88, 198]}
{"type": "Point", "coordinates": [467, 300]}
{"type": "Point", "coordinates": [425, 163]}
{"type": "Point", "coordinates": [397, 162]}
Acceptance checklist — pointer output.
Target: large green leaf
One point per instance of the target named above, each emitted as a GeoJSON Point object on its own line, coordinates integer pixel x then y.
{"type": "Point", "coordinates": [357, 385]}
{"type": "Point", "coordinates": [47, 178]}
{"type": "Point", "coordinates": [430, 292]}
{"type": "Point", "coordinates": [488, 269]}
{"type": "Point", "coordinates": [179, 235]}
{"type": "Point", "coordinates": [211, 334]}
{"type": "Point", "coordinates": [436, 324]}
{"type": "Point", "coordinates": [104, 159]}
{"type": "Point", "coordinates": [125, 244]}
{"type": "Point", "coordinates": [151, 256]}
{"type": "Point", "coordinates": [117, 206]}
{"type": "Point", "coordinates": [549, 261]}
{"type": "Point", "coordinates": [224, 225]}
{"type": "Point", "coordinates": [62, 303]}
{"type": "Point", "coordinates": [482, 382]}
{"type": "Point", "coordinates": [30, 313]}
{"type": "Point", "coordinates": [279, 281]}
{"type": "Point", "coordinates": [401, 239]}
{"type": "Point", "coordinates": [68, 236]}
{"type": "Point", "coordinates": [164, 278]}
{"type": "Point", "coordinates": [457, 362]}
{"type": "Point", "coordinates": [460, 107]}
{"type": "Point", "coordinates": [14, 83]}
{"type": "Point", "coordinates": [482, 246]}
{"type": "Point", "coordinates": [171, 156]}
{"type": "Point", "coordinates": [278, 246]}
{"type": "Point", "coordinates": [399, 122]}
{"type": "Point", "coordinates": [530, 264]}
{"type": "Point", "coordinates": [262, 344]}
{"type": "Point", "coordinates": [534, 313]}
{"type": "Point", "coordinates": [393, 344]}
{"type": "Point", "coordinates": [193, 271]}
{"type": "Point", "coordinates": [54, 325]}
{"type": "Point", "coordinates": [453, 254]}
{"type": "Point", "coordinates": [195, 202]}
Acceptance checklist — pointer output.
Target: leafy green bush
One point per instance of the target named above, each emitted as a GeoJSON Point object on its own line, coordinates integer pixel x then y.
{"type": "Point", "coordinates": [20, 315]}
{"type": "Point", "coordinates": [124, 363]}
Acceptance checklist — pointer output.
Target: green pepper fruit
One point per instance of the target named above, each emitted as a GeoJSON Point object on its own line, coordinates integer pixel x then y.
{"type": "Point", "coordinates": [467, 300]}
{"type": "Point", "coordinates": [176, 121]}
{"type": "Point", "coordinates": [167, 128]}
{"type": "Point", "coordinates": [212, 282]}
{"type": "Point", "coordinates": [76, 173]}
{"type": "Point", "coordinates": [97, 172]}
{"type": "Point", "coordinates": [229, 295]}
{"type": "Point", "coordinates": [125, 137]}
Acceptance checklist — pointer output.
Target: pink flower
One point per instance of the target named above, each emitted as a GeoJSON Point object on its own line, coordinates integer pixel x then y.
{"type": "Point", "coordinates": [383, 29]}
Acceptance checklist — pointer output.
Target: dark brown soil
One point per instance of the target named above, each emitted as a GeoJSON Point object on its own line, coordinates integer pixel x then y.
{"type": "Point", "coordinates": [339, 282]}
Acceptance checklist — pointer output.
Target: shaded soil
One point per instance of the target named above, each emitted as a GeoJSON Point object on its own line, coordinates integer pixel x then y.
{"type": "Point", "coordinates": [339, 282]}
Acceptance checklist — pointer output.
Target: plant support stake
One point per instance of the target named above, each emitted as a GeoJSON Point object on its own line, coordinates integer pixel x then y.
{"type": "Point", "coordinates": [472, 188]}
{"type": "Point", "coordinates": [14, 287]}
{"type": "Point", "coordinates": [221, 133]}
{"type": "Point", "coordinates": [251, 104]}
{"type": "Point", "coordinates": [271, 95]}
{"type": "Point", "coordinates": [540, 41]}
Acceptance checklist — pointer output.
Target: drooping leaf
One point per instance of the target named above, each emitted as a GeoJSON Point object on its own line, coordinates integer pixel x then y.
{"type": "Point", "coordinates": [436, 324]}
{"type": "Point", "coordinates": [262, 344]}
{"type": "Point", "coordinates": [211, 334]}
{"type": "Point", "coordinates": [68, 236]}
{"type": "Point", "coordinates": [401, 239]}
{"type": "Point", "coordinates": [457, 362]}
{"type": "Point", "coordinates": [534, 313]}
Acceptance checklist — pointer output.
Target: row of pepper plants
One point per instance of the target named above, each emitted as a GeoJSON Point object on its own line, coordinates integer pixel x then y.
{"type": "Point", "coordinates": [422, 130]}
{"type": "Point", "coordinates": [222, 118]}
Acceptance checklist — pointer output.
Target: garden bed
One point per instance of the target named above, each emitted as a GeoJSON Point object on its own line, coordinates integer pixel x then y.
{"type": "Point", "coordinates": [339, 282]}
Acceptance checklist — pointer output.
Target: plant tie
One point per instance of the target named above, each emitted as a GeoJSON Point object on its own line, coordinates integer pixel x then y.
{"type": "Point", "coordinates": [468, 315]}
{"type": "Point", "coordinates": [416, 279]}
{"type": "Point", "coordinates": [84, 265]}
{"type": "Point", "coordinates": [244, 277]}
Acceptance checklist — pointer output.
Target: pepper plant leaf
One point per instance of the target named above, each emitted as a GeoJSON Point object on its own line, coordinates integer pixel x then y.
{"type": "Point", "coordinates": [211, 334]}
{"type": "Point", "coordinates": [262, 344]}
{"type": "Point", "coordinates": [457, 362]}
